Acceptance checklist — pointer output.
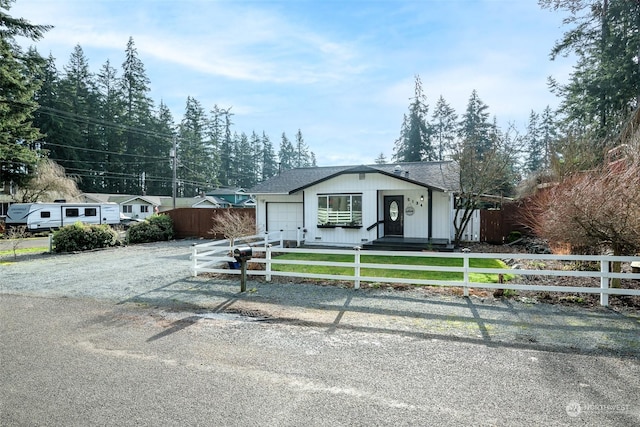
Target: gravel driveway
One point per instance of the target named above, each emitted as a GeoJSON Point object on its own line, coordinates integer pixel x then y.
{"type": "Point", "coordinates": [158, 275]}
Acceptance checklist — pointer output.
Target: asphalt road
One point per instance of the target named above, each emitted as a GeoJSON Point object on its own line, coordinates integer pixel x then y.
{"type": "Point", "coordinates": [80, 362]}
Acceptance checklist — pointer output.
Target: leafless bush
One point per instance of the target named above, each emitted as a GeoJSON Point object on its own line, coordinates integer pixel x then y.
{"type": "Point", "coordinates": [594, 210]}
{"type": "Point", "coordinates": [16, 236]}
{"type": "Point", "coordinates": [232, 224]}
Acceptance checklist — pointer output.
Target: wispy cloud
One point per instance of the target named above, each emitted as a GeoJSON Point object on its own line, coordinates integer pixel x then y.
{"type": "Point", "coordinates": [342, 74]}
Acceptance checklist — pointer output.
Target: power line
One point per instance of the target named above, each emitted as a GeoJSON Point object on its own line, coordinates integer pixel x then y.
{"type": "Point", "coordinates": [90, 120]}
{"type": "Point", "coordinates": [73, 147]}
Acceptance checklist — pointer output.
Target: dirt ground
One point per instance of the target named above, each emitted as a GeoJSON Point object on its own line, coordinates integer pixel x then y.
{"type": "Point", "coordinates": [581, 299]}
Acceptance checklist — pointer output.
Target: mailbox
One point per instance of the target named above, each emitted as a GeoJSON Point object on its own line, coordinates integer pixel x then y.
{"type": "Point", "coordinates": [242, 253]}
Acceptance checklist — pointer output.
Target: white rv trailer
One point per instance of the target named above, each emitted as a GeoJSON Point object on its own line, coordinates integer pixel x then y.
{"type": "Point", "coordinates": [47, 216]}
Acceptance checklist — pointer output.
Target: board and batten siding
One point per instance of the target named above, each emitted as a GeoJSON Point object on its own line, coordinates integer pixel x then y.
{"type": "Point", "coordinates": [373, 188]}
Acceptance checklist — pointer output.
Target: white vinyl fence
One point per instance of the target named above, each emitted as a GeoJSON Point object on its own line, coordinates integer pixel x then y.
{"type": "Point", "coordinates": [214, 258]}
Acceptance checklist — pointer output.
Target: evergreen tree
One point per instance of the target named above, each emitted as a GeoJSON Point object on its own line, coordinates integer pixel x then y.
{"type": "Point", "coordinates": [256, 158]}
{"type": "Point", "coordinates": [381, 159]}
{"type": "Point", "coordinates": [18, 153]}
{"type": "Point", "coordinates": [245, 163]}
{"type": "Point", "coordinates": [269, 163]}
{"type": "Point", "coordinates": [302, 158]}
{"type": "Point", "coordinates": [604, 86]}
{"type": "Point", "coordinates": [194, 154]}
{"type": "Point", "coordinates": [414, 143]}
{"type": "Point", "coordinates": [286, 154]}
{"type": "Point", "coordinates": [548, 135]}
{"type": "Point", "coordinates": [47, 118]}
{"type": "Point", "coordinates": [159, 166]}
{"type": "Point", "coordinates": [475, 130]}
{"type": "Point", "coordinates": [79, 106]}
{"type": "Point", "coordinates": [111, 109]}
{"type": "Point", "coordinates": [225, 144]}
{"type": "Point", "coordinates": [137, 118]}
{"type": "Point", "coordinates": [535, 149]}
{"type": "Point", "coordinates": [444, 127]}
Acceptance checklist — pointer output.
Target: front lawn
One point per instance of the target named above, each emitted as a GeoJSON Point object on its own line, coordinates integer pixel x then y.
{"type": "Point", "coordinates": [401, 260]}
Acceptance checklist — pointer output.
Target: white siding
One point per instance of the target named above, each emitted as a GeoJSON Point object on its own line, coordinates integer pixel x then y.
{"type": "Point", "coordinates": [278, 220]}
{"type": "Point", "coordinates": [441, 215]}
{"type": "Point", "coordinates": [285, 217]}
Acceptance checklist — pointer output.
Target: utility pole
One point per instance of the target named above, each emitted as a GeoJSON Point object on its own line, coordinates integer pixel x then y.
{"type": "Point", "coordinates": [174, 161]}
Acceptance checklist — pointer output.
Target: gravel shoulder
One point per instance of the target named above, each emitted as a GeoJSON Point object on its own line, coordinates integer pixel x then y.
{"type": "Point", "coordinates": [158, 276]}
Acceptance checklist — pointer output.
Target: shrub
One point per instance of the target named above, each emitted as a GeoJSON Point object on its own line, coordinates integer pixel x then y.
{"type": "Point", "coordinates": [83, 237]}
{"type": "Point", "coordinates": [153, 229]}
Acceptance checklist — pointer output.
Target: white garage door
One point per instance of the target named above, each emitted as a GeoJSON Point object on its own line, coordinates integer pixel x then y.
{"type": "Point", "coordinates": [286, 217]}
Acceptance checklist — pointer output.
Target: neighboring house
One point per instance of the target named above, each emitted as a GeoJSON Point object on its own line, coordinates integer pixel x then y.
{"type": "Point", "coordinates": [141, 207]}
{"type": "Point", "coordinates": [235, 196]}
{"type": "Point", "coordinates": [356, 205]}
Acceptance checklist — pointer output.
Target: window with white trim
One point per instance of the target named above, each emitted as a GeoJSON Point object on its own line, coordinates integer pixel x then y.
{"type": "Point", "coordinates": [340, 210]}
{"type": "Point", "coordinates": [127, 208]}
{"type": "Point", "coordinates": [144, 208]}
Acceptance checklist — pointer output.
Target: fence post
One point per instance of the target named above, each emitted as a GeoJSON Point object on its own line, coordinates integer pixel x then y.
{"type": "Point", "coordinates": [282, 238]}
{"type": "Point", "coordinates": [194, 259]}
{"type": "Point", "coordinates": [465, 265]}
{"type": "Point", "coordinates": [266, 240]}
{"type": "Point", "coordinates": [267, 264]}
{"type": "Point", "coordinates": [356, 283]}
{"type": "Point", "coordinates": [604, 282]}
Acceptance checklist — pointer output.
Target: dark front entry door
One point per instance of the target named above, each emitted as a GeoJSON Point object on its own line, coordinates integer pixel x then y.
{"type": "Point", "coordinates": [394, 215]}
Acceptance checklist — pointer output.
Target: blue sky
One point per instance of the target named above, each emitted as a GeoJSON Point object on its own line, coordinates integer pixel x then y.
{"type": "Point", "coordinates": [341, 71]}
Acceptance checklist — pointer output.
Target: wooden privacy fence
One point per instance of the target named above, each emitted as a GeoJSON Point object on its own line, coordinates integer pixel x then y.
{"type": "Point", "coordinates": [495, 225]}
{"type": "Point", "coordinates": [197, 222]}
{"type": "Point", "coordinates": [213, 257]}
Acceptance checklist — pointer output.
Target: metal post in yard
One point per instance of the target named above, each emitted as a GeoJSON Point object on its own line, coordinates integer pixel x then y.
{"type": "Point", "coordinates": [604, 282]}
{"type": "Point", "coordinates": [243, 275]}
{"type": "Point", "coordinates": [50, 242]}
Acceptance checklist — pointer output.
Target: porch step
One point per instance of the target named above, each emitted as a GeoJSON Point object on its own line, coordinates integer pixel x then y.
{"type": "Point", "coordinates": [408, 244]}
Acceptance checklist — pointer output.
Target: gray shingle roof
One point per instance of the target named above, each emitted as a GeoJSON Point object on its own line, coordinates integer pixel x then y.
{"type": "Point", "coordinates": [441, 176]}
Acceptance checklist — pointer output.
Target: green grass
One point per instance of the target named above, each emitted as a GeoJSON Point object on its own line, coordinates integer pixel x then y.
{"type": "Point", "coordinates": [403, 260]}
{"type": "Point", "coordinates": [20, 251]}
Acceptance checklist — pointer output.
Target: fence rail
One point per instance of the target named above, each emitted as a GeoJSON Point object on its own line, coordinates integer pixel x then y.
{"type": "Point", "coordinates": [213, 257]}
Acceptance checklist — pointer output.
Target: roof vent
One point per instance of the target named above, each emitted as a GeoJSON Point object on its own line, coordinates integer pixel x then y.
{"type": "Point", "coordinates": [406, 174]}
{"type": "Point", "coordinates": [397, 170]}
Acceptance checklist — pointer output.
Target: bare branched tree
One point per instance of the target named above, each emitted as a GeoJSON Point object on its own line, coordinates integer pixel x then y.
{"type": "Point", "coordinates": [50, 182]}
{"type": "Point", "coordinates": [232, 224]}
{"type": "Point", "coordinates": [490, 172]}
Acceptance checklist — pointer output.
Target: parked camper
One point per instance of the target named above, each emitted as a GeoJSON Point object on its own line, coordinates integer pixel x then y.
{"type": "Point", "coordinates": [46, 216]}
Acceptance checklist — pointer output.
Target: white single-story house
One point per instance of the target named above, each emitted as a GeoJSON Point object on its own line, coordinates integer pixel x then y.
{"type": "Point", "coordinates": [361, 205]}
